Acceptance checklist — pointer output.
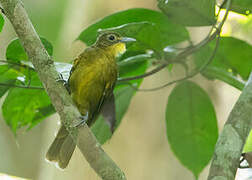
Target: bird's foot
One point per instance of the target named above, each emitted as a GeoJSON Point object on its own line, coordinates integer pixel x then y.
{"type": "Point", "coordinates": [61, 79]}
{"type": "Point", "coordinates": [83, 120]}
{"type": "Point", "coordinates": [65, 83]}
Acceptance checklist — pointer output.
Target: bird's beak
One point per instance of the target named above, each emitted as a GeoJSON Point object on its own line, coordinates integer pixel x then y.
{"type": "Point", "coordinates": [127, 39]}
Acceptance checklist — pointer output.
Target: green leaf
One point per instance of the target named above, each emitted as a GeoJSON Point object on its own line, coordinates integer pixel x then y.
{"type": "Point", "coordinates": [151, 29]}
{"type": "Point", "coordinates": [133, 66]}
{"type": "Point", "coordinates": [149, 36]}
{"type": "Point", "coordinates": [235, 54]}
{"type": "Point", "coordinates": [248, 144]}
{"type": "Point", "coordinates": [41, 114]}
{"type": "Point", "coordinates": [242, 6]}
{"type": "Point", "coordinates": [26, 107]}
{"type": "Point", "coordinates": [1, 22]}
{"type": "Point", "coordinates": [232, 58]}
{"type": "Point", "coordinates": [191, 126]}
{"type": "Point", "coordinates": [189, 12]}
{"type": "Point", "coordinates": [225, 76]}
{"type": "Point", "coordinates": [8, 76]}
{"type": "Point", "coordinates": [15, 51]}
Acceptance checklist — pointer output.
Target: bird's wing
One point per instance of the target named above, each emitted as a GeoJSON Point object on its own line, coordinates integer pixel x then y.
{"type": "Point", "coordinates": [107, 105]}
{"type": "Point", "coordinates": [108, 112]}
{"type": "Point", "coordinates": [107, 91]}
{"type": "Point", "coordinates": [75, 64]}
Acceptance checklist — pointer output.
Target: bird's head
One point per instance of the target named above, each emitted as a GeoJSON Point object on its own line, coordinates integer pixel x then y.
{"type": "Point", "coordinates": [112, 42]}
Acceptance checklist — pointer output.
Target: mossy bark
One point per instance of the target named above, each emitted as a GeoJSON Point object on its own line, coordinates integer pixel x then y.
{"type": "Point", "coordinates": [231, 141]}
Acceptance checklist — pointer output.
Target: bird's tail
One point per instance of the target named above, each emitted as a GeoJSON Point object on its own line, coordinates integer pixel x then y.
{"type": "Point", "coordinates": [61, 149]}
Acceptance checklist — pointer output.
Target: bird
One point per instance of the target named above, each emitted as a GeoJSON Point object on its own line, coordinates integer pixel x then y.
{"type": "Point", "coordinates": [91, 82]}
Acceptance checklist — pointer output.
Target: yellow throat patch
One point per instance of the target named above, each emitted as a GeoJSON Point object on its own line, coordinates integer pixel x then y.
{"type": "Point", "coordinates": [118, 49]}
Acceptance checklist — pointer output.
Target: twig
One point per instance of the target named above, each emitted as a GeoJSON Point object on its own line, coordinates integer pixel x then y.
{"type": "Point", "coordinates": [157, 69]}
{"type": "Point", "coordinates": [201, 69]}
{"type": "Point", "coordinates": [23, 87]}
{"type": "Point", "coordinates": [69, 114]}
{"type": "Point", "coordinates": [183, 54]}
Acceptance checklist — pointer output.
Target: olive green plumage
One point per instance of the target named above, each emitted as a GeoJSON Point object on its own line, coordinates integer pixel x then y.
{"type": "Point", "coordinates": [91, 82]}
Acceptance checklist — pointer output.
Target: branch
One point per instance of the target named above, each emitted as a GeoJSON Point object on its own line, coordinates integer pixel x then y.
{"type": "Point", "coordinates": [200, 70]}
{"type": "Point", "coordinates": [230, 144]}
{"type": "Point", "coordinates": [43, 64]}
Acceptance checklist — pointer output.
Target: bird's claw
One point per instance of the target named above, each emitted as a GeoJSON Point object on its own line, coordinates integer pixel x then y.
{"type": "Point", "coordinates": [61, 79]}
{"type": "Point", "coordinates": [65, 83]}
{"type": "Point", "coordinates": [83, 120]}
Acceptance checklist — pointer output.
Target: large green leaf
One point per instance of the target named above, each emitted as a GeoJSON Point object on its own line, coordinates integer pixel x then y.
{"type": "Point", "coordinates": [191, 126]}
{"type": "Point", "coordinates": [27, 100]}
{"type": "Point", "coordinates": [189, 12]}
{"type": "Point", "coordinates": [8, 76]}
{"type": "Point", "coordinates": [242, 6]}
{"type": "Point", "coordinates": [26, 107]}
{"type": "Point", "coordinates": [41, 113]}
{"type": "Point", "coordinates": [1, 22]}
{"type": "Point", "coordinates": [151, 29]}
{"type": "Point", "coordinates": [235, 54]}
{"type": "Point", "coordinates": [232, 58]}
{"type": "Point", "coordinates": [15, 51]}
{"type": "Point", "coordinates": [133, 66]}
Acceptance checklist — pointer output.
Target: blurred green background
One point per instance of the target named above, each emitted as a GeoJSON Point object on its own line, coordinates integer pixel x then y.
{"type": "Point", "coordinates": [139, 146]}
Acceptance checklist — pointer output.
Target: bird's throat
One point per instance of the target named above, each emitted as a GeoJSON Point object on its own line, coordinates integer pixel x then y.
{"type": "Point", "coordinates": [117, 49]}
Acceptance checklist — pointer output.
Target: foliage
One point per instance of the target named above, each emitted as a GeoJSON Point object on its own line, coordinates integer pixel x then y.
{"type": "Point", "coordinates": [191, 125]}
{"type": "Point", "coordinates": [15, 51]}
{"type": "Point", "coordinates": [189, 12]}
{"type": "Point", "coordinates": [243, 7]}
{"type": "Point", "coordinates": [190, 116]}
{"type": "Point", "coordinates": [228, 64]}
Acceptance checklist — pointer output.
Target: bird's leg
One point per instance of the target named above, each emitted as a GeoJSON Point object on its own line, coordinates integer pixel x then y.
{"type": "Point", "coordinates": [61, 79]}
{"type": "Point", "coordinates": [83, 120]}
{"type": "Point", "coordinates": [65, 83]}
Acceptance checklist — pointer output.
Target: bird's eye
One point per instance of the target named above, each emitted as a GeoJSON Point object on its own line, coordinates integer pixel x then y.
{"type": "Point", "coordinates": [111, 37]}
